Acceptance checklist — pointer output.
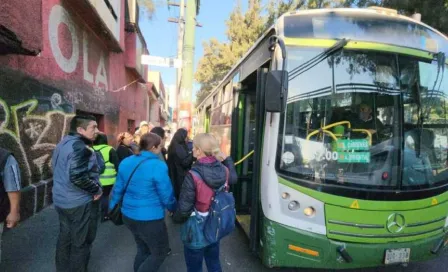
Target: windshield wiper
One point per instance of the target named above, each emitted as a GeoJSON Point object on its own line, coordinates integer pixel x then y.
{"type": "Point", "coordinates": [317, 59]}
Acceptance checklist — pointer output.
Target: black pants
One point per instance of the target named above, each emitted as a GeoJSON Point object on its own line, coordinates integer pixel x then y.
{"type": "Point", "coordinates": [151, 238]}
{"type": "Point", "coordinates": [77, 232]}
{"type": "Point", "coordinates": [105, 200]}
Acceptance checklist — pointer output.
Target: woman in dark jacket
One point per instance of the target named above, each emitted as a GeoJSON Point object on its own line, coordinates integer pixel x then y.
{"type": "Point", "coordinates": [211, 166]}
{"type": "Point", "coordinates": [145, 200]}
{"type": "Point", "coordinates": [180, 159]}
{"type": "Point", "coordinates": [124, 149]}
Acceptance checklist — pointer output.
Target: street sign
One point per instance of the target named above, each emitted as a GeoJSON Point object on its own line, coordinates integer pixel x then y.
{"type": "Point", "coordinates": [160, 61]}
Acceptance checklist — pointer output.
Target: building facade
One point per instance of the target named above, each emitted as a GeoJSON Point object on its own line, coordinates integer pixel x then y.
{"type": "Point", "coordinates": [66, 57]}
{"type": "Point", "coordinates": [158, 105]}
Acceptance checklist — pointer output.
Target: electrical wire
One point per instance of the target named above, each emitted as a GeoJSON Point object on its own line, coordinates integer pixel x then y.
{"type": "Point", "coordinates": [124, 87]}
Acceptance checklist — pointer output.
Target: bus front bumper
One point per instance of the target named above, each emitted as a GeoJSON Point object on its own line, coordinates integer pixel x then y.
{"type": "Point", "coordinates": [283, 246]}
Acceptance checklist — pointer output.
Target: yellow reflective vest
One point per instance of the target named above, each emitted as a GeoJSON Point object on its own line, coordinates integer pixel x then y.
{"type": "Point", "coordinates": [110, 174]}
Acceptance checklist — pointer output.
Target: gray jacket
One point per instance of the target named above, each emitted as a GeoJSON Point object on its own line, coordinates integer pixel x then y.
{"type": "Point", "coordinates": [75, 172]}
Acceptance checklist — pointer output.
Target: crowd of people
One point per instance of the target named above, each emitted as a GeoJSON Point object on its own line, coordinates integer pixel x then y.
{"type": "Point", "coordinates": [91, 177]}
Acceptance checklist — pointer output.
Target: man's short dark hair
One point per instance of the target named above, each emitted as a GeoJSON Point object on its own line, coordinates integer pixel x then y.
{"type": "Point", "coordinates": [81, 121]}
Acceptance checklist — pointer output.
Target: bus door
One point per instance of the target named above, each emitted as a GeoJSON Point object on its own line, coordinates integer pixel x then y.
{"type": "Point", "coordinates": [208, 113]}
{"type": "Point", "coordinates": [243, 133]}
{"type": "Point", "coordinates": [247, 134]}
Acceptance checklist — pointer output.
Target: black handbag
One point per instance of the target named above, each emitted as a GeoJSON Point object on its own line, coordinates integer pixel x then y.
{"type": "Point", "coordinates": [115, 214]}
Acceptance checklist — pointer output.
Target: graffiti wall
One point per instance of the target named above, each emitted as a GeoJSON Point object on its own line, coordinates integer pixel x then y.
{"type": "Point", "coordinates": [76, 71]}
{"type": "Point", "coordinates": [33, 119]}
{"type": "Point", "coordinates": [39, 96]}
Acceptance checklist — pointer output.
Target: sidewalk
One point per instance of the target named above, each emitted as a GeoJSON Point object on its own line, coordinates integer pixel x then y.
{"type": "Point", "coordinates": [31, 247]}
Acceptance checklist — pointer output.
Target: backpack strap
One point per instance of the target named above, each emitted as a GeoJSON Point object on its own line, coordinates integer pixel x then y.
{"type": "Point", "coordinates": [99, 151]}
{"type": "Point", "coordinates": [196, 176]}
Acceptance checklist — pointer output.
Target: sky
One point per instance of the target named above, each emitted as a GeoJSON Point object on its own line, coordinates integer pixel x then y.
{"type": "Point", "coordinates": [161, 35]}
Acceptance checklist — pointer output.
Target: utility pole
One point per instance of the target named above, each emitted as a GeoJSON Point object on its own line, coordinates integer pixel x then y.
{"type": "Point", "coordinates": [180, 45]}
{"type": "Point", "coordinates": [185, 52]}
{"type": "Point", "coordinates": [185, 105]}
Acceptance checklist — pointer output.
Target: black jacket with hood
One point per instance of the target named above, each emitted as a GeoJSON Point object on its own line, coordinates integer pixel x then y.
{"type": "Point", "coordinates": [213, 174]}
{"type": "Point", "coordinates": [180, 159]}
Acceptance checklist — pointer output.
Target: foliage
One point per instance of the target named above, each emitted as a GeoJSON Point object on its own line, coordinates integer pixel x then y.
{"type": "Point", "coordinates": [219, 57]}
{"type": "Point", "coordinates": [150, 6]}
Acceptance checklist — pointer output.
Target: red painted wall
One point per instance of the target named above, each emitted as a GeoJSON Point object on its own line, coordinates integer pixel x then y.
{"type": "Point", "coordinates": [38, 95]}
{"type": "Point", "coordinates": [11, 18]}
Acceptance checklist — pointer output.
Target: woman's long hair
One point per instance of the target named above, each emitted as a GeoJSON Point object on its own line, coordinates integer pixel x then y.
{"type": "Point", "coordinates": [178, 140]}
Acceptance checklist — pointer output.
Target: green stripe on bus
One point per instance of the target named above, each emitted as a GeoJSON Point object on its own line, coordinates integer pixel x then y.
{"type": "Point", "coordinates": [367, 204]}
{"type": "Point", "coordinates": [325, 43]}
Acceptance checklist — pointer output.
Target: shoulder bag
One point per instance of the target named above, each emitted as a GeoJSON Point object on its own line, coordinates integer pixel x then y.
{"type": "Point", "coordinates": [115, 214]}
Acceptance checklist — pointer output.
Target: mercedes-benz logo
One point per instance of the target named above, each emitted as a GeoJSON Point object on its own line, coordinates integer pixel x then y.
{"type": "Point", "coordinates": [395, 223]}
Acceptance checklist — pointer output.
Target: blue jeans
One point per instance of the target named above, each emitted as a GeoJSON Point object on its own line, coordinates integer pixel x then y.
{"type": "Point", "coordinates": [194, 258]}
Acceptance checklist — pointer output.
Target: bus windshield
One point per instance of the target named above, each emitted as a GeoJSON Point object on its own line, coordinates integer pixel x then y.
{"type": "Point", "coordinates": [366, 119]}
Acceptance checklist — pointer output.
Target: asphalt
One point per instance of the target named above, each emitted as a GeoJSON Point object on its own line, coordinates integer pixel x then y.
{"type": "Point", "coordinates": [31, 247]}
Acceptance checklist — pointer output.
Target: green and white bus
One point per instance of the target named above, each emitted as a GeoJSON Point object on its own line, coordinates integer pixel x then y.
{"type": "Point", "coordinates": [346, 113]}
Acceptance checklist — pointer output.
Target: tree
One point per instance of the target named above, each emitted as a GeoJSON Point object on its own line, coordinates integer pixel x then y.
{"type": "Point", "coordinates": [149, 7]}
{"type": "Point", "coordinates": [242, 31]}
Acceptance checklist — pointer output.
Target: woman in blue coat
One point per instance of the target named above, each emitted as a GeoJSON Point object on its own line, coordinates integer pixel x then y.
{"type": "Point", "coordinates": [147, 196]}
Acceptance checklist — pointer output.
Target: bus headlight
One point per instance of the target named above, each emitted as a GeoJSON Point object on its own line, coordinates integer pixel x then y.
{"type": "Point", "coordinates": [293, 205]}
{"type": "Point", "coordinates": [309, 211]}
{"type": "Point", "coordinates": [285, 195]}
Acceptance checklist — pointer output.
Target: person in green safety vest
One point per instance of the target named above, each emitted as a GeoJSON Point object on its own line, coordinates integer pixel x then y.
{"type": "Point", "coordinates": [107, 179]}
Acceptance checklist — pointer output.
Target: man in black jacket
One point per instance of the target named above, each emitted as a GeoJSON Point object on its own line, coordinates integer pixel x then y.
{"type": "Point", "coordinates": [76, 189]}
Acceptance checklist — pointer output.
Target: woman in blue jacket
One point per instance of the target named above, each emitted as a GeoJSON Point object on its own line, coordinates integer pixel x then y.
{"type": "Point", "coordinates": [147, 196]}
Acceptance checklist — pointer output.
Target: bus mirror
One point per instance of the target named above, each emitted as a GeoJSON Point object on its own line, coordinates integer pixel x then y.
{"type": "Point", "coordinates": [274, 92]}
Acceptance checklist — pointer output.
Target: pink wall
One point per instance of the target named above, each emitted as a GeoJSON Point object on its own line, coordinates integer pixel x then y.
{"type": "Point", "coordinates": [39, 94]}
{"type": "Point", "coordinates": [11, 17]}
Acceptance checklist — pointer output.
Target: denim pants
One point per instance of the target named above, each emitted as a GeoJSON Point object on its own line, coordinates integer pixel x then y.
{"type": "Point", "coordinates": [76, 235]}
{"type": "Point", "coordinates": [194, 258]}
{"type": "Point", "coordinates": [151, 238]}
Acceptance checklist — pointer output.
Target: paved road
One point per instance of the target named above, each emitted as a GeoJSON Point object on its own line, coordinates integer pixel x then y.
{"type": "Point", "coordinates": [30, 248]}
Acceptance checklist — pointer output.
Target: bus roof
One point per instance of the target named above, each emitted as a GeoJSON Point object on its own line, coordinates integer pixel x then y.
{"type": "Point", "coordinates": [278, 27]}
{"type": "Point", "coordinates": [386, 13]}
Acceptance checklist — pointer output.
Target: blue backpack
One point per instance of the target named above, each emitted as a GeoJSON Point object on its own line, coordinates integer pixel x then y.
{"type": "Point", "coordinates": [220, 221]}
